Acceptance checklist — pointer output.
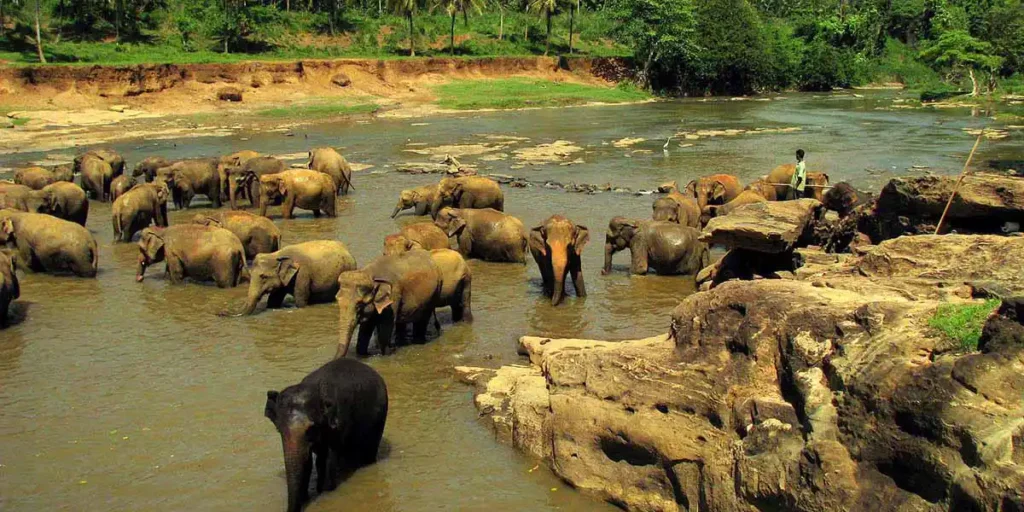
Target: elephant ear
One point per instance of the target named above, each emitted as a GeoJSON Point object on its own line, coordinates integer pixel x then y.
{"type": "Point", "coordinates": [412, 244]}
{"type": "Point", "coordinates": [286, 269]}
{"type": "Point", "coordinates": [7, 227]}
{"type": "Point", "coordinates": [329, 408]}
{"type": "Point", "coordinates": [538, 241]}
{"type": "Point", "coordinates": [691, 188]}
{"type": "Point", "coordinates": [270, 410]}
{"type": "Point", "coordinates": [382, 298]}
{"type": "Point", "coordinates": [457, 192]}
{"type": "Point", "coordinates": [580, 239]}
{"type": "Point", "coordinates": [455, 224]}
{"type": "Point", "coordinates": [718, 192]}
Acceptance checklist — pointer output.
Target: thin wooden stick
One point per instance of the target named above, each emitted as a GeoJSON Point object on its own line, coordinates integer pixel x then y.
{"type": "Point", "coordinates": [963, 174]}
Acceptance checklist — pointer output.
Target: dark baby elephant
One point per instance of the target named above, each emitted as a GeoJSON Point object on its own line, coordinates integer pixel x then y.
{"type": "Point", "coordinates": [334, 418]}
{"type": "Point", "coordinates": [665, 247]}
{"type": "Point", "coordinates": [44, 243]}
{"type": "Point", "coordinates": [556, 246]}
{"type": "Point", "coordinates": [389, 293]}
{"type": "Point", "coordinates": [308, 271]}
{"type": "Point", "coordinates": [843, 198]}
{"type": "Point", "coordinates": [201, 253]}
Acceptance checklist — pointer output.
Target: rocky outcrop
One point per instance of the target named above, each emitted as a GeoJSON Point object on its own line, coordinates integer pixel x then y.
{"type": "Point", "coordinates": [821, 393]}
{"type": "Point", "coordinates": [768, 227]}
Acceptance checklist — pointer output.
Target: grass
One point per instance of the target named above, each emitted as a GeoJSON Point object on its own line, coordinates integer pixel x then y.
{"type": "Point", "coordinates": [523, 92]}
{"type": "Point", "coordinates": [20, 121]}
{"type": "Point", "coordinates": [962, 323]}
{"type": "Point", "coordinates": [318, 111]}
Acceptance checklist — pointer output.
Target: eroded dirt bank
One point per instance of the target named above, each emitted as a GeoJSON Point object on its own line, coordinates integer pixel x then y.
{"type": "Point", "coordinates": [823, 392]}
{"type": "Point", "coordinates": [78, 105]}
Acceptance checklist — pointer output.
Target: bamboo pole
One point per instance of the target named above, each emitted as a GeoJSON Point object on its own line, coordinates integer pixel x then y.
{"type": "Point", "coordinates": [956, 187]}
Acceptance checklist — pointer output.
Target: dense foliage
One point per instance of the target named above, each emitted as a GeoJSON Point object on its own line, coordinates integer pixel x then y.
{"type": "Point", "coordinates": [680, 46]}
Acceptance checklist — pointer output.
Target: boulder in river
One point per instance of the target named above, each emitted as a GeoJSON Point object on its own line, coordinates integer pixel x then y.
{"type": "Point", "coordinates": [983, 203]}
{"type": "Point", "coordinates": [768, 227]}
{"type": "Point", "coordinates": [830, 393]}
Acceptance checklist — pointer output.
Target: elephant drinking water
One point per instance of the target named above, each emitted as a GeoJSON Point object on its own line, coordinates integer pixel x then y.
{"type": "Point", "coordinates": [665, 247]}
{"type": "Point", "coordinates": [191, 250]}
{"type": "Point", "coordinates": [308, 271]}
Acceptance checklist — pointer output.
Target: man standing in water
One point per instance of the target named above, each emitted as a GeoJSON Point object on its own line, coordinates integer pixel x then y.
{"type": "Point", "coordinates": [799, 179]}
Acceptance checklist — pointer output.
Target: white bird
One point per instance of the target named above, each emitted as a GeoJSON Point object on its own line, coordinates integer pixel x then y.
{"type": "Point", "coordinates": [665, 147]}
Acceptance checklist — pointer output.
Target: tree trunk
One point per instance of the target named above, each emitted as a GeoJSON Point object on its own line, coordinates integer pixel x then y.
{"type": "Point", "coordinates": [39, 37]}
{"type": "Point", "coordinates": [572, 20]}
{"type": "Point", "coordinates": [288, 5]}
{"type": "Point", "coordinates": [974, 82]}
{"type": "Point", "coordinates": [1, 18]}
{"type": "Point", "coordinates": [117, 20]}
{"type": "Point", "coordinates": [453, 35]}
{"type": "Point", "coordinates": [501, 21]}
{"type": "Point", "coordinates": [465, 18]}
{"type": "Point", "coordinates": [412, 38]}
{"type": "Point", "coordinates": [334, 9]}
{"type": "Point", "coordinates": [547, 41]}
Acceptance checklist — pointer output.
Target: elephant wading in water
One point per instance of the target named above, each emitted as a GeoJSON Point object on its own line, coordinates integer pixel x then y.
{"type": "Point", "coordinates": [257, 234]}
{"type": "Point", "coordinates": [137, 209]}
{"type": "Point", "coordinates": [745, 197]}
{"type": "Point", "coordinates": [65, 201]}
{"type": "Point", "coordinates": [665, 247]}
{"type": "Point", "coordinates": [783, 174]}
{"type": "Point", "coordinates": [244, 180]}
{"type": "Point", "coordinates": [336, 416]}
{"type": "Point", "coordinates": [202, 253]}
{"type": "Point", "coordinates": [556, 246]}
{"type": "Point", "coordinates": [96, 176]}
{"type": "Point", "coordinates": [120, 185]}
{"type": "Point", "coordinates": [456, 280]}
{"type": "Point", "coordinates": [147, 167]}
{"type": "Point", "coordinates": [34, 178]}
{"type": "Point", "coordinates": [485, 234]}
{"type": "Point", "coordinates": [308, 271]}
{"type": "Point", "coordinates": [9, 288]}
{"type": "Point", "coordinates": [468, 192]}
{"type": "Point", "coordinates": [419, 198]}
{"type": "Point", "coordinates": [44, 243]}
{"type": "Point", "coordinates": [331, 163]}
{"type": "Point", "coordinates": [714, 189]}
{"type": "Point", "coordinates": [187, 178]}
{"type": "Point", "coordinates": [15, 196]}
{"type": "Point", "coordinates": [677, 207]}
{"type": "Point", "coordinates": [389, 293]}
{"type": "Point", "coordinates": [310, 190]}
{"type": "Point", "coordinates": [111, 157]}
{"type": "Point", "coordinates": [422, 235]}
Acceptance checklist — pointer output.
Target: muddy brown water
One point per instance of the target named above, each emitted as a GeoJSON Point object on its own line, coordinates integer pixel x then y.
{"type": "Point", "coordinates": [116, 395]}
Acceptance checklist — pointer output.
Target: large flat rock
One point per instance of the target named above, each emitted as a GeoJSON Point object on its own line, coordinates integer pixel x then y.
{"type": "Point", "coordinates": [981, 198]}
{"type": "Point", "coordinates": [770, 227]}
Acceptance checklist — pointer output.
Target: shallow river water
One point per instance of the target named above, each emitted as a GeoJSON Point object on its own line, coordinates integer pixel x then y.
{"type": "Point", "coordinates": [116, 395]}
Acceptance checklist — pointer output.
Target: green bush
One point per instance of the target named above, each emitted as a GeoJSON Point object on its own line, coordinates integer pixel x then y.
{"type": "Point", "coordinates": [962, 323]}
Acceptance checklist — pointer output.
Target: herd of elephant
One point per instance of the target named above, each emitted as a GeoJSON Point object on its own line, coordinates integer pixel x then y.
{"type": "Point", "coordinates": [335, 417]}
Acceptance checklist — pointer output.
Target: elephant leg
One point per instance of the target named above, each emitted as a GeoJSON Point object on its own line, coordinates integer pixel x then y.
{"type": "Point", "coordinates": [301, 291]}
{"type": "Point", "coordinates": [330, 206]}
{"type": "Point", "coordinates": [419, 328]}
{"type": "Point", "coordinates": [386, 330]}
{"type": "Point", "coordinates": [276, 298]}
{"type": "Point", "coordinates": [401, 333]}
{"type": "Point", "coordinates": [363, 341]}
{"type": "Point", "coordinates": [321, 454]}
{"type": "Point", "coordinates": [576, 272]}
{"type": "Point", "coordinates": [316, 213]}
{"type": "Point", "coordinates": [288, 208]}
{"type": "Point", "coordinates": [462, 310]}
{"type": "Point", "coordinates": [465, 245]}
{"type": "Point", "coordinates": [175, 270]}
{"type": "Point", "coordinates": [422, 209]}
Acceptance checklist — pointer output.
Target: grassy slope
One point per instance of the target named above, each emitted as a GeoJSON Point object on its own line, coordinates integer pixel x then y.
{"type": "Point", "coordinates": [962, 323]}
{"type": "Point", "coordinates": [522, 92]}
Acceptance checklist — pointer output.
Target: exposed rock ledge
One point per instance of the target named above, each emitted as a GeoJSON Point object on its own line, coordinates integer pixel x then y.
{"type": "Point", "coordinates": [823, 394]}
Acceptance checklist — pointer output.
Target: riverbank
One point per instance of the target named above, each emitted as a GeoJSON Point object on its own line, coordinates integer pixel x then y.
{"type": "Point", "coordinates": [65, 106]}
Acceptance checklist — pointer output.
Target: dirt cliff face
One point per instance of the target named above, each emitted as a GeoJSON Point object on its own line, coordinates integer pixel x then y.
{"type": "Point", "coordinates": [824, 393]}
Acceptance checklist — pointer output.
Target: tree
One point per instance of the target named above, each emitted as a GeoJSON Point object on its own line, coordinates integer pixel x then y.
{"type": "Point", "coordinates": [39, 37]}
{"type": "Point", "coordinates": [548, 7]}
{"type": "Point", "coordinates": [661, 33]}
{"type": "Point", "coordinates": [956, 50]}
{"type": "Point", "coordinates": [452, 8]}
{"type": "Point", "coordinates": [408, 9]}
{"type": "Point", "coordinates": [572, 20]}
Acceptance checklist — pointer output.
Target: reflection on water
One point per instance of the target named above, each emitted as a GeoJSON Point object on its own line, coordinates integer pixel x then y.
{"type": "Point", "coordinates": [118, 395]}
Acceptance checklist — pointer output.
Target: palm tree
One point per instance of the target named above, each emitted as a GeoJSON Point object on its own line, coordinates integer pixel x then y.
{"type": "Point", "coordinates": [548, 7]}
{"type": "Point", "coordinates": [453, 7]}
{"type": "Point", "coordinates": [407, 8]}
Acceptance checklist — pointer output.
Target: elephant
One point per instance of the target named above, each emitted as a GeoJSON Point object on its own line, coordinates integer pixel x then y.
{"type": "Point", "coordinates": [34, 178]}
{"type": "Point", "coordinates": [556, 245]}
{"type": "Point", "coordinates": [15, 196]}
{"type": "Point", "coordinates": [665, 247]}
{"type": "Point", "coordinates": [96, 176]}
{"type": "Point", "coordinates": [186, 178]}
{"type": "Point", "coordinates": [10, 290]}
{"type": "Point", "coordinates": [745, 197]}
{"type": "Point", "coordinates": [246, 178]}
{"type": "Point", "coordinates": [843, 198]}
{"type": "Point", "coordinates": [486, 234]}
{"type": "Point", "coordinates": [136, 209]}
{"type": "Point", "coordinates": [419, 198]}
{"type": "Point", "coordinates": [120, 185]}
{"type": "Point", "coordinates": [191, 250]}
{"type": "Point", "coordinates": [302, 188]}
{"type": "Point", "coordinates": [714, 189]}
{"type": "Point", "coordinates": [456, 279]}
{"type": "Point", "coordinates": [781, 176]}
{"type": "Point", "coordinates": [64, 200]}
{"type": "Point", "coordinates": [335, 416]}
{"type": "Point", "coordinates": [331, 163]}
{"type": "Point", "coordinates": [111, 157]}
{"type": "Point", "coordinates": [44, 243]}
{"type": "Point", "coordinates": [424, 235]}
{"type": "Point", "coordinates": [390, 292]}
{"type": "Point", "coordinates": [228, 162]}
{"type": "Point", "coordinates": [257, 234]}
{"type": "Point", "coordinates": [467, 192]}
{"type": "Point", "coordinates": [678, 208]}
{"type": "Point", "coordinates": [63, 172]}
{"type": "Point", "coordinates": [308, 271]}
{"type": "Point", "coordinates": [147, 167]}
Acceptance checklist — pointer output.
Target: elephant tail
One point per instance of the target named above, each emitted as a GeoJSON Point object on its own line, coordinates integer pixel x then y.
{"type": "Point", "coordinates": [116, 220]}
{"type": "Point", "coordinates": [242, 266]}
{"type": "Point", "coordinates": [524, 250]}
{"type": "Point", "coordinates": [95, 257]}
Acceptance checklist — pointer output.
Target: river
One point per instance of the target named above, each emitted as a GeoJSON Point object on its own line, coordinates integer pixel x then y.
{"type": "Point", "coordinates": [117, 395]}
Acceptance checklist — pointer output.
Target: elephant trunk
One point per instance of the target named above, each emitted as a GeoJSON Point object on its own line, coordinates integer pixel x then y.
{"type": "Point", "coordinates": [298, 466]}
{"type": "Point", "coordinates": [347, 323]}
{"type": "Point", "coordinates": [264, 201]}
{"type": "Point", "coordinates": [256, 293]}
{"type": "Point", "coordinates": [435, 207]}
{"type": "Point", "coordinates": [140, 269]}
{"type": "Point", "coordinates": [398, 208]}
{"type": "Point", "coordinates": [607, 258]}
{"type": "Point", "coordinates": [559, 265]}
